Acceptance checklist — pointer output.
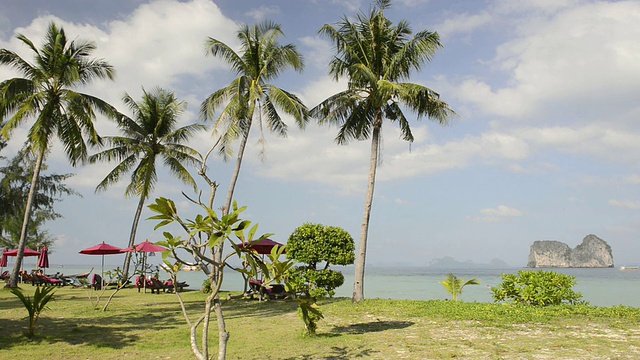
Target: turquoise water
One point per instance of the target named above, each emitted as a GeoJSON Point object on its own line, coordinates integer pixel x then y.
{"type": "Point", "coordinates": [600, 287]}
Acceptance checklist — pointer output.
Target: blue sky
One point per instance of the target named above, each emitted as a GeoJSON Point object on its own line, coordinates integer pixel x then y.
{"type": "Point", "coordinates": [546, 145]}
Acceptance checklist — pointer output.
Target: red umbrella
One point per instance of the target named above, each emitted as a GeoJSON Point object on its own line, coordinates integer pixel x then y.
{"type": "Point", "coordinates": [3, 260]}
{"type": "Point", "coordinates": [262, 247]}
{"type": "Point", "coordinates": [102, 249]}
{"type": "Point", "coordinates": [145, 247]}
{"type": "Point", "coordinates": [27, 252]}
{"type": "Point", "coordinates": [43, 261]}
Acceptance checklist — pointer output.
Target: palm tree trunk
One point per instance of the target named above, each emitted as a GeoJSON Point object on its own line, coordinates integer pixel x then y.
{"type": "Point", "coordinates": [13, 281]}
{"type": "Point", "coordinates": [358, 285]}
{"type": "Point", "coordinates": [236, 173]}
{"type": "Point", "coordinates": [132, 239]}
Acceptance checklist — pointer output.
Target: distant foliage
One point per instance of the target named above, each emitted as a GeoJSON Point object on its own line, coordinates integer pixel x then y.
{"type": "Point", "coordinates": [537, 288]}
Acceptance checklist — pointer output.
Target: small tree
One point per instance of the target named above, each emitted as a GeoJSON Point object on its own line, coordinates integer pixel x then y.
{"type": "Point", "coordinates": [205, 233]}
{"type": "Point", "coordinates": [35, 306]}
{"type": "Point", "coordinates": [538, 288]}
{"type": "Point", "coordinates": [454, 285]}
{"type": "Point", "coordinates": [314, 244]}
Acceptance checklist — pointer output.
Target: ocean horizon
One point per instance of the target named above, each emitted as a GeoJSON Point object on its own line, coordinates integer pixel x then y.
{"type": "Point", "coordinates": [600, 286]}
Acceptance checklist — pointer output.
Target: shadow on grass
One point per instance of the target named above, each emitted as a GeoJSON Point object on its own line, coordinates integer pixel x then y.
{"type": "Point", "coordinates": [114, 331]}
{"type": "Point", "coordinates": [339, 353]}
{"type": "Point", "coordinates": [375, 326]}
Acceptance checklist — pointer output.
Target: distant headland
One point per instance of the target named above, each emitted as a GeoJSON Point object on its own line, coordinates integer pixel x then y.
{"type": "Point", "coordinates": [593, 252]}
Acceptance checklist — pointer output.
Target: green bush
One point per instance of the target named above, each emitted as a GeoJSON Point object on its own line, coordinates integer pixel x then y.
{"type": "Point", "coordinates": [315, 243]}
{"type": "Point", "coordinates": [206, 287]}
{"type": "Point", "coordinates": [314, 283]}
{"type": "Point", "coordinates": [537, 288]}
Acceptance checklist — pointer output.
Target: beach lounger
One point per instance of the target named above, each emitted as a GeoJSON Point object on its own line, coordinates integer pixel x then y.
{"type": "Point", "coordinates": [42, 279]}
{"type": "Point", "coordinates": [273, 291]}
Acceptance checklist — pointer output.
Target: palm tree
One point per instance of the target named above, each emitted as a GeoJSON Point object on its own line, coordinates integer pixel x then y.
{"type": "Point", "coordinates": [45, 93]}
{"type": "Point", "coordinates": [150, 135]}
{"type": "Point", "coordinates": [454, 285]}
{"type": "Point", "coordinates": [376, 57]}
{"type": "Point", "coordinates": [260, 60]}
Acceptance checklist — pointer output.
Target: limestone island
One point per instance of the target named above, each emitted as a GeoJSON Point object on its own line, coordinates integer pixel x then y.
{"type": "Point", "coordinates": [592, 253]}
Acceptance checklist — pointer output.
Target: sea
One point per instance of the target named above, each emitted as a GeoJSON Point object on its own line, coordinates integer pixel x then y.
{"type": "Point", "coordinates": [600, 287]}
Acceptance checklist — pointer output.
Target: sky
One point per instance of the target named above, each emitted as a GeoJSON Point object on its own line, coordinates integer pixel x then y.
{"type": "Point", "coordinates": [545, 144]}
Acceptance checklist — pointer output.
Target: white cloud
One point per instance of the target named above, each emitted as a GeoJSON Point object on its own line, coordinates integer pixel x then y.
{"type": "Point", "coordinates": [499, 214]}
{"type": "Point", "coordinates": [583, 56]}
{"type": "Point", "coordinates": [318, 52]}
{"type": "Point", "coordinates": [462, 24]}
{"type": "Point", "coordinates": [632, 179]}
{"type": "Point", "coordinates": [627, 204]}
{"type": "Point", "coordinates": [262, 12]}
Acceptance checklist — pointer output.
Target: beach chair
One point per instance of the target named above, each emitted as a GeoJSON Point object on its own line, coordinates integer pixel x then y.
{"type": "Point", "coordinates": [180, 285]}
{"type": "Point", "coordinates": [96, 282]}
{"type": "Point", "coordinates": [272, 291]}
{"type": "Point", "coordinates": [157, 285]}
{"type": "Point", "coordinates": [77, 280]}
{"type": "Point", "coordinates": [42, 279]}
{"type": "Point", "coordinates": [28, 278]}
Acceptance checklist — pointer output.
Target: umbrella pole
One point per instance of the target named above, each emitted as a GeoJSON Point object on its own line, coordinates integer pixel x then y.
{"type": "Point", "coordinates": [144, 269]}
{"type": "Point", "coordinates": [102, 273]}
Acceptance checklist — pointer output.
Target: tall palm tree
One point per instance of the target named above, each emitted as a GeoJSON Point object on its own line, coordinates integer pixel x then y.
{"type": "Point", "coordinates": [150, 135]}
{"type": "Point", "coordinates": [45, 92]}
{"type": "Point", "coordinates": [377, 58]}
{"type": "Point", "coordinates": [250, 96]}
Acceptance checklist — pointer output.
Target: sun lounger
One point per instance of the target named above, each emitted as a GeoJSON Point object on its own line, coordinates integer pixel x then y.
{"type": "Point", "coordinates": [41, 279]}
{"type": "Point", "coordinates": [157, 285]}
{"type": "Point", "coordinates": [273, 291]}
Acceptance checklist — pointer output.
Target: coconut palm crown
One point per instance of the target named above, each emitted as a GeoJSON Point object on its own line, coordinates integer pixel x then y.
{"type": "Point", "coordinates": [251, 96]}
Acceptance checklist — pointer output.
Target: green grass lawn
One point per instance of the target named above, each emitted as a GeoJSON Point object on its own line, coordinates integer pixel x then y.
{"type": "Point", "coordinates": [151, 326]}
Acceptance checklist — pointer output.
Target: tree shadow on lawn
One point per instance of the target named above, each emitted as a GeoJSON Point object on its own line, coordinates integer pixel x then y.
{"type": "Point", "coordinates": [339, 353]}
{"type": "Point", "coordinates": [116, 332]}
{"type": "Point", "coordinates": [374, 326]}
{"type": "Point", "coordinates": [251, 308]}
{"type": "Point", "coordinates": [266, 308]}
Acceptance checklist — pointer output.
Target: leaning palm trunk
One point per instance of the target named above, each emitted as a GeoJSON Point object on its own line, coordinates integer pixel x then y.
{"type": "Point", "coordinates": [13, 281]}
{"type": "Point", "coordinates": [236, 172]}
{"type": "Point", "coordinates": [132, 238]}
{"type": "Point", "coordinates": [358, 285]}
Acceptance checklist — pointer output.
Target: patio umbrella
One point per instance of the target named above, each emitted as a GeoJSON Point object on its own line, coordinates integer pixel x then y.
{"type": "Point", "coordinates": [27, 252]}
{"type": "Point", "coordinates": [102, 249]}
{"type": "Point", "coordinates": [144, 248]}
{"type": "Point", "coordinates": [262, 247]}
{"type": "Point", "coordinates": [43, 261]}
{"type": "Point", "coordinates": [3, 260]}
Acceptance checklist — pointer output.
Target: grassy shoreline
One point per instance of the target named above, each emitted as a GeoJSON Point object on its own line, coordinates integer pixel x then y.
{"type": "Point", "coordinates": [139, 325]}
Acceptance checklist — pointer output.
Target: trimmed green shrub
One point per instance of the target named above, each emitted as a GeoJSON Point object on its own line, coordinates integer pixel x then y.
{"type": "Point", "coordinates": [537, 288]}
